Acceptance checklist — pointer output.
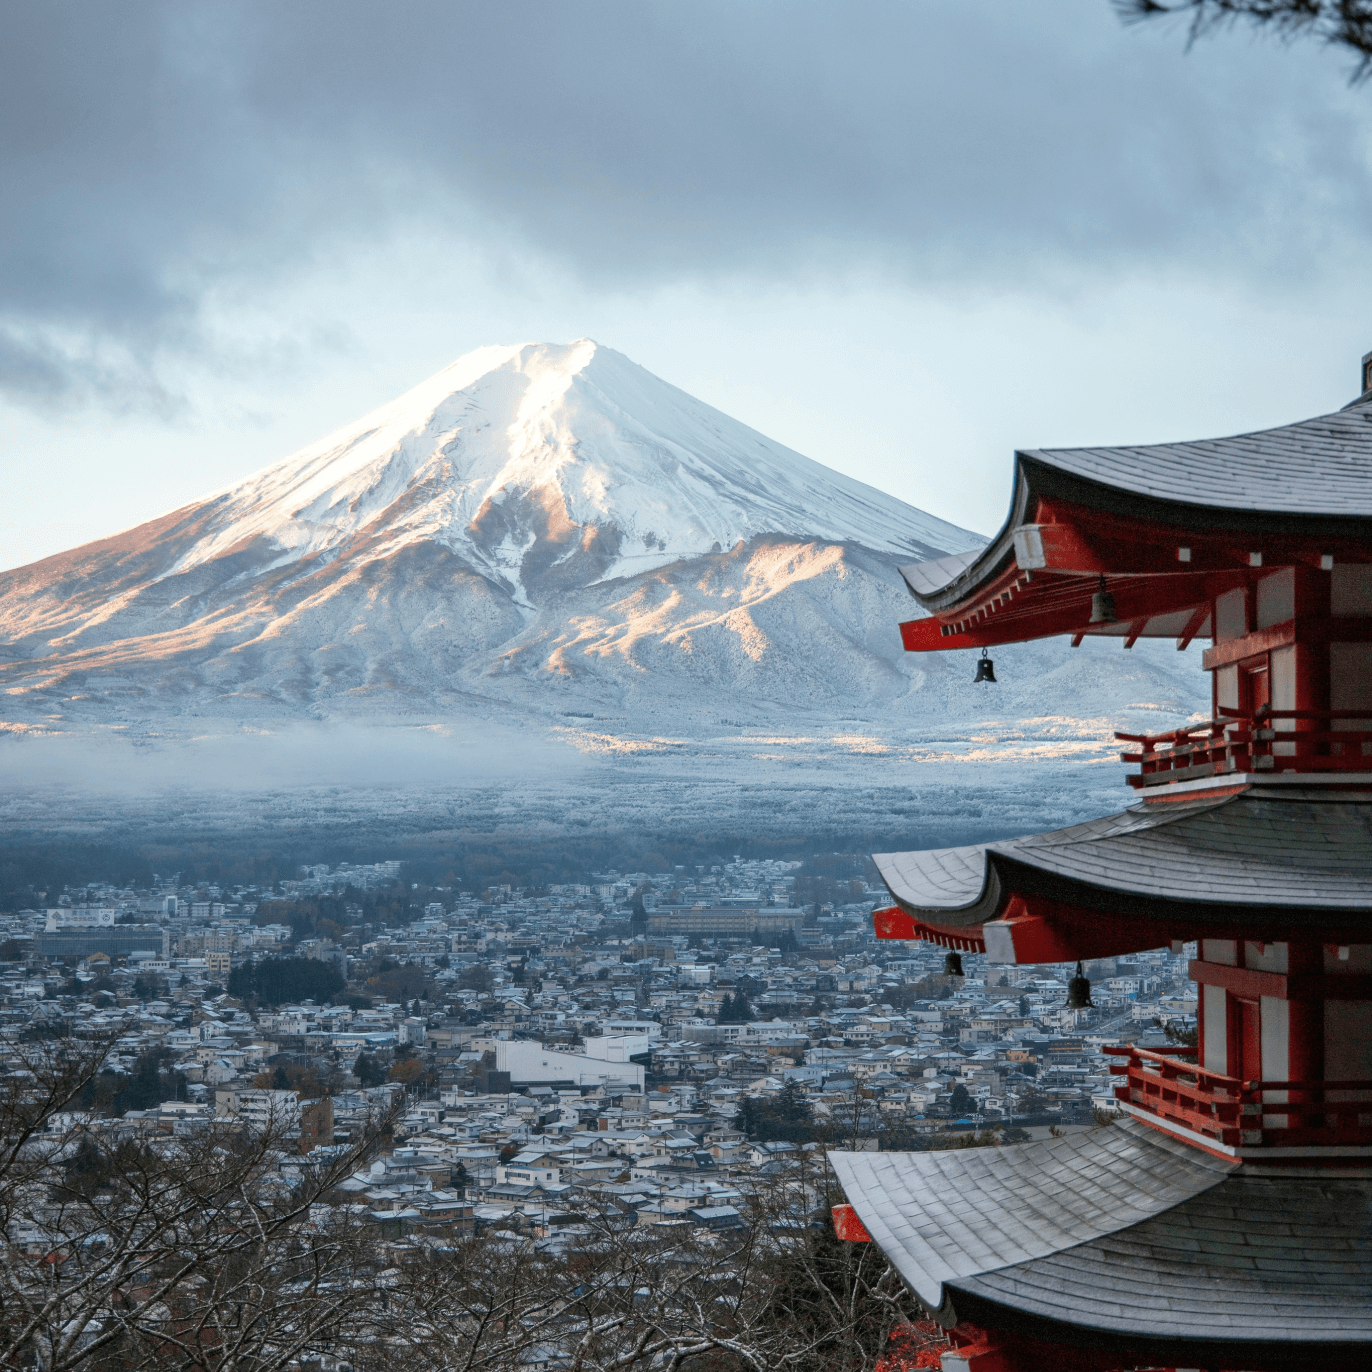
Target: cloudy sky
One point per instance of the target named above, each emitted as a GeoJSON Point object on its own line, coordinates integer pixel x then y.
{"type": "Point", "coordinates": [900, 237]}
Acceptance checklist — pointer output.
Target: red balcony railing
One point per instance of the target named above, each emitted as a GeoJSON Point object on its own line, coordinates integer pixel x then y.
{"type": "Point", "coordinates": [1247, 1114]}
{"type": "Point", "coordinates": [1266, 741]}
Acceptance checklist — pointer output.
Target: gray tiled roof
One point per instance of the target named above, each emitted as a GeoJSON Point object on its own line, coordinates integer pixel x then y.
{"type": "Point", "coordinates": [1126, 1231]}
{"type": "Point", "coordinates": [1270, 1258]}
{"type": "Point", "coordinates": [941, 1216]}
{"type": "Point", "coordinates": [1320, 466]}
{"type": "Point", "coordinates": [1262, 847]}
{"type": "Point", "coordinates": [1316, 469]}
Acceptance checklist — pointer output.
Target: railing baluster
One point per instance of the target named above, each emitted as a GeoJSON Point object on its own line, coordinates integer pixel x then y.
{"type": "Point", "coordinates": [1237, 742]}
{"type": "Point", "coordinates": [1172, 1089]}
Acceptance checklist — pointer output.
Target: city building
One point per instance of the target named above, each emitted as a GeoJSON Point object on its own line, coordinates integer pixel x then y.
{"type": "Point", "coordinates": [111, 939]}
{"type": "Point", "coordinates": [316, 1124]}
{"type": "Point", "coordinates": [723, 921]}
{"type": "Point", "coordinates": [81, 917]}
{"type": "Point", "coordinates": [531, 1063]}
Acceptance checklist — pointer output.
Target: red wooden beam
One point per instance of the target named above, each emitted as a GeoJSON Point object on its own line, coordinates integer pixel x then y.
{"type": "Point", "coordinates": [1047, 932]}
{"type": "Point", "coordinates": [847, 1226]}
{"type": "Point", "coordinates": [896, 923]}
{"type": "Point", "coordinates": [1240, 981]}
{"type": "Point", "coordinates": [1061, 548]}
{"type": "Point", "coordinates": [1134, 545]}
{"type": "Point", "coordinates": [893, 922]}
{"type": "Point", "coordinates": [1032, 929]}
{"type": "Point", "coordinates": [1154, 569]}
{"type": "Point", "coordinates": [1250, 645]}
{"type": "Point", "coordinates": [1250, 983]}
{"type": "Point", "coordinates": [1193, 626]}
{"type": "Point", "coordinates": [1342, 630]}
{"type": "Point", "coordinates": [1060, 604]}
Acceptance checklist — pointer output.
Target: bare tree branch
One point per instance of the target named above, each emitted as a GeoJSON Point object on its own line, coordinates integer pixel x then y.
{"type": "Point", "coordinates": [196, 1252]}
{"type": "Point", "coordinates": [1340, 23]}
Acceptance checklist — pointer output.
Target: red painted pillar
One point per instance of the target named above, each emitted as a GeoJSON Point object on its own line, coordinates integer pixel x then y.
{"type": "Point", "coordinates": [1305, 1052]}
{"type": "Point", "coordinates": [1312, 601]}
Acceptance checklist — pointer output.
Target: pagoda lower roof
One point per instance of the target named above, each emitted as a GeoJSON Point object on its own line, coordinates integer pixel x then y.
{"type": "Point", "coordinates": [1293, 854]}
{"type": "Point", "coordinates": [1121, 1237]}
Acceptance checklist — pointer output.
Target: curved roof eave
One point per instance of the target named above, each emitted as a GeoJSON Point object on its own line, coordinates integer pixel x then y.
{"type": "Point", "coordinates": [968, 571]}
{"type": "Point", "coordinates": [965, 878]}
{"type": "Point", "coordinates": [1293, 855]}
{"type": "Point", "coordinates": [1317, 472]}
{"type": "Point", "coordinates": [1032, 1199]}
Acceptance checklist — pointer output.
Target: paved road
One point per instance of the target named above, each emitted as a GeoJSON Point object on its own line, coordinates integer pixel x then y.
{"type": "Point", "coordinates": [1118, 1024]}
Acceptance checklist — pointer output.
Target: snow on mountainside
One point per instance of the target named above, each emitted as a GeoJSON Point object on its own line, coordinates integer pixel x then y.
{"type": "Point", "coordinates": [538, 501]}
{"type": "Point", "coordinates": [573, 445]}
{"type": "Point", "coordinates": [549, 540]}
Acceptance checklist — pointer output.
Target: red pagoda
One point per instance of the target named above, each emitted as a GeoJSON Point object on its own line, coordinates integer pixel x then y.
{"type": "Point", "coordinates": [1225, 1222]}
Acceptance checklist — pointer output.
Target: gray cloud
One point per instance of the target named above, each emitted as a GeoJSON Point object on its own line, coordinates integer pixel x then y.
{"type": "Point", "coordinates": [154, 155]}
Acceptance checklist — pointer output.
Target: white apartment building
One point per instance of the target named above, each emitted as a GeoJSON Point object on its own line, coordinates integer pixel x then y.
{"type": "Point", "coordinates": [259, 1110]}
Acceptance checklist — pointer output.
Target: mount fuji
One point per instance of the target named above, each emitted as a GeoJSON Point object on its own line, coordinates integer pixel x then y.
{"type": "Point", "coordinates": [545, 548]}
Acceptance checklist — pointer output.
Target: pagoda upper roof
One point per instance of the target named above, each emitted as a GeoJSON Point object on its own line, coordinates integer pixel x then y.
{"type": "Point", "coordinates": [1128, 1234]}
{"type": "Point", "coordinates": [1315, 467]}
{"type": "Point", "coordinates": [1176, 518]}
{"type": "Point", "coordinates": [1265, 856]}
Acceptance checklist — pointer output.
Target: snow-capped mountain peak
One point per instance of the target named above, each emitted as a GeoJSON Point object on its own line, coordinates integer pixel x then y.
{"type": "Point", "coordinates": [546, 554]}
{"type": "Point", "coordinates": [539, 523]}
{"type": "Point", "coordinates": [570, 444]}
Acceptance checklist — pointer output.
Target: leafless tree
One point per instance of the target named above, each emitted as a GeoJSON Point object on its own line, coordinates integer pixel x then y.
{"type": "Point", "coordinates": [219, 1248]}
{"type": "Point", "coordinates": [771, 1293]}
{"type": "Point", "coordinates": [1343, 24]}
{"type": "Point", "coordinates": [170, 1251]}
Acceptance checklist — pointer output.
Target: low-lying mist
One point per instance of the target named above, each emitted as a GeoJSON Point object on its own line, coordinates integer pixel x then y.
{"type": "Point", "coordinates": [231, 758]}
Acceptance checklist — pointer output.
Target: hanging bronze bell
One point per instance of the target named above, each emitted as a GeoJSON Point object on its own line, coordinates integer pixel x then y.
{"type": "Point", "coordinates": [986, 670]}
{"type": "Point", "coordinates": [952, 965]}
{"type": "Point", "coordinates": [1079, 992]}
{"type": "Point", "coordinates": [1102, 605]}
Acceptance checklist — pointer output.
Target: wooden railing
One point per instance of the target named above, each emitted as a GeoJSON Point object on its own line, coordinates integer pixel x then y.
{"type": "Point", "coordinates": [1311, 1114]}
{"type": "Point", "coordinates": [1267, 741]}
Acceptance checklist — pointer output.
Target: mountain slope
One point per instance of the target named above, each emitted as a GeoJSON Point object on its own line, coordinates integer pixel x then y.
{"type": "Point", "coordinates": [516, 487]}
{"type": "Point", "coordinates": [547, 543]}
{"type": "Point", "coordinates": [549, 443]}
